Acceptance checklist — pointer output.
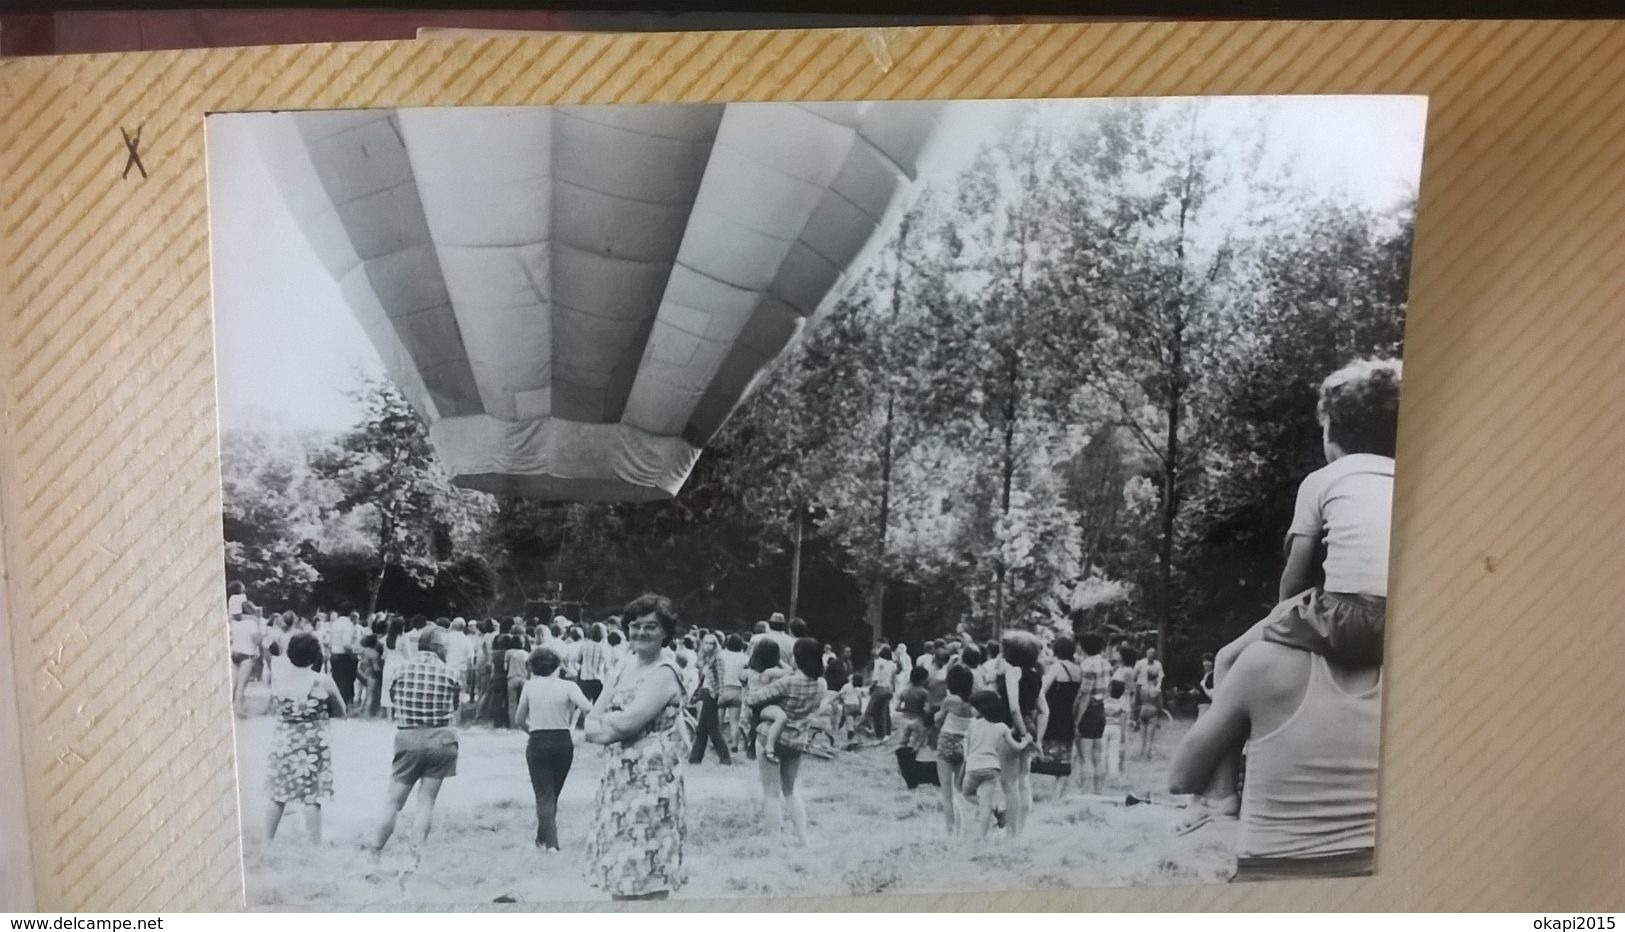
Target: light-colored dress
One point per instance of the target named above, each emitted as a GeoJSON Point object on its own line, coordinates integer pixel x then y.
{"type": "Point", "coordinates": [636, 845]}
{"type": "Point", "coordinates": [301, 768]}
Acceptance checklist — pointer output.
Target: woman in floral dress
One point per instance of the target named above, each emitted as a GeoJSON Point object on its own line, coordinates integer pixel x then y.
{"type": "Point", "coordinates": [635, 850]}
{"type": "Point", "coordinates": [301, 769]}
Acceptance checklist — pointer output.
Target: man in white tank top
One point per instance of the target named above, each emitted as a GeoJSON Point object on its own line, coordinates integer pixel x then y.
{"type": "Point", "coordinates": [1306, 721]}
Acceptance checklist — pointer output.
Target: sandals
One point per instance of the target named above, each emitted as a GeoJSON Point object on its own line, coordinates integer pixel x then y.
{"type": "Point", "coordinates": [1191, 823]}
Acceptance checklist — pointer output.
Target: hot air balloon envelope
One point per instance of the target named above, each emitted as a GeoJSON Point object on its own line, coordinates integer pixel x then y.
{"type": "Point", "coordinates": [575, 298]}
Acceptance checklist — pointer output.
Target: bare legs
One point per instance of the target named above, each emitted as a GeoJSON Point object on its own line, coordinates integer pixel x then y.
{"type": "Point", "coordinates": [239, 687]}
{"type": "Point", "coordinates": [313, 821]}
{"type": "Point", "coordinates": [1091, 751]}
{"type": "Point", "coordinates": [779, 794]}
{"type": "Point", "coordinates": [428, 790]}
{"type": "Point", "coordinates": [948, 777]}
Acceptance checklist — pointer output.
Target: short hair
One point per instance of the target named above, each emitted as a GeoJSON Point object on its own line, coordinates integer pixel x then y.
{"type": "Point", "coordinates": [1359, 405]}
{"type": "Point", "coordinates": [760, 627]}
{"type": "Point", "coordinates": [1021, 648]}
{"type": "Point", "coordinates": [734, 642]}
{"type": "Point", "coordinates": [799, 628]}
{"type": "Point", "coordinates": [765, 655]}
{"type": "Point", "coordinates": [918, 675]}
{"type": "Point", "coordinates": [1129, 655]}
{"type": "Point", "coordinates": [971, 656]}
{"type": "Point", "coordinates": [657, 605]}
{"type": "Point", "coordinates": [857, 679]}
{"type": "Point", "coordinates": [236, 588]}
{"type": "Point", "coordinates": [613, 638]}
{"type": "Point", "coordinates": [457, 624]}
{"type": "Point", "coordinates": [596, 632]}
{"type": "Point", "coordinates": [808, 655]}
{"type": "Point", "coordinates": [1091, 643]}
{"type": "Point", "coordinates": [369, 641]}
{"type": "Point", "coordinates": [961, 681]}
{"type": "Point", "coordinates": [544, 661]}
{"type": "Point", "coordinates": [885, 653]}
{"type": "Point", "coordinates": [990, 649]}
{"type": "Point", "coordinates": [304, 650]}
{"type": "Point", "coordinates": [1065, 648]}
{"type": "Point", "coordinates": [987, 703]}
{"type": "Point", "coordinates": [502, 642]}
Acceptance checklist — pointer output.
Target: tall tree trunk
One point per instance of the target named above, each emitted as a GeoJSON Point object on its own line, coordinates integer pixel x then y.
{"type": "Point", "coordinates": [1007, 475]}
{"type": "Point", "coordinates": [374, 585]}
{"type": "Point", "coordinates": [875, 607]}
{"type": "Point", "coordinates": [386, 530]}
{"type": "Point", "coordinates": [1175, 407]}
{"type": "Point", "coordinates": [795, 562]}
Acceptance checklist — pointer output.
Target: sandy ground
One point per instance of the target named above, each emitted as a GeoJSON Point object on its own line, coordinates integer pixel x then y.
{"type": "Point", "coordinates": [869, 834]}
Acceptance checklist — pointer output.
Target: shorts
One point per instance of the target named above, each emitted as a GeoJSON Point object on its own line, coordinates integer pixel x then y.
{"type": "Point", "coordinates": [976, 779]}
{"type": "Point", "coordinates": [1093, 724]}
{"type": "Point", "coordinates": [951, 749]}
{"type": "Point", "coordinates": [781, 750]}
{"type": "Point", "coordinates": [729, 698]}
{"type": "Point", "coordinates": [424, 754]}
{"type": "Point", "coordinates": [239, 658]}
{"type": "Point", "coordinates": [1148, 711]}
{"type": "Point", "coordinates": [1345, 629]}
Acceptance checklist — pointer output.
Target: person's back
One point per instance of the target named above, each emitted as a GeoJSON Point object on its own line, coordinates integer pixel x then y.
{"type": "Point", "coordinates": [733, 667]}
{"type": "Point", "coordinates": [548, 703]}
{"type": "Point", "coordinates": [985, 744]}
{"type": "Point", "coordinates": [1314, 725]}
{"type": "Point", "coordinates": [912, 700]}
{"type": "Point", "coordinates": [1348, 506]}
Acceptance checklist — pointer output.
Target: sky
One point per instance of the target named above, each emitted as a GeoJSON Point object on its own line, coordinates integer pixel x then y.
{"type": "Point", "coordinates": [289, 352]}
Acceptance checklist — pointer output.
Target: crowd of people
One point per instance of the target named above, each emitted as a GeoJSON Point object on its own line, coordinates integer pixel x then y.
{"type": "Point", "coordinates": [1299, 693]}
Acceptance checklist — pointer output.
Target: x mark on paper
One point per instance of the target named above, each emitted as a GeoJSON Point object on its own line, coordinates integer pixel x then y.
{"type": "Point", "coordinates": [132, 144]}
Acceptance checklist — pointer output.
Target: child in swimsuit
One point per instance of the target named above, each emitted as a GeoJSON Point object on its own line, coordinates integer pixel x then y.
{"type": "Point", "coordinates": [953, 720]}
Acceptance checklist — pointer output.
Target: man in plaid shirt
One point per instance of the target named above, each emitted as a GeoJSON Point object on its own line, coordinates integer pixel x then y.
{"type": "Point", "coordinates": [426, 693]}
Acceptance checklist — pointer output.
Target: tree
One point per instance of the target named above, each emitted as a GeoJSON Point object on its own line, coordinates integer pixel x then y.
{"type": "Point", "coordinates": [269, 523]}
{"type": "Point", "coordinates": [386, 473]}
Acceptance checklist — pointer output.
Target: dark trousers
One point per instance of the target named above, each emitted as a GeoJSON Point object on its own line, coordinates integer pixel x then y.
{"type": "Point", "coordinates": [344, 666]}
{"type": "Point", "coordinates": [710, 729]}
{"type": "Point", "coordinates": [879, 713]}
{"type": "Point", "coordinates": [548, 755]}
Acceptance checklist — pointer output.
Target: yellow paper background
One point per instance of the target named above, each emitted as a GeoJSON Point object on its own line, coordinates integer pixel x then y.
{"type": "Point", "coordinates": [1503, 744]}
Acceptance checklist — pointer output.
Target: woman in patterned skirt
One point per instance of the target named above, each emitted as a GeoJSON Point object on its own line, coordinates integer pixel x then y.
{"type": "Point", "coordinates": [635, 851]}
{"type": "Point", "coordinates": [301, 768]}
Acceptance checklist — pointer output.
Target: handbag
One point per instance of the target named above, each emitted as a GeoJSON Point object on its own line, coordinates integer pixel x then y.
{"type": "Point", "coordinates": [1052, 766]}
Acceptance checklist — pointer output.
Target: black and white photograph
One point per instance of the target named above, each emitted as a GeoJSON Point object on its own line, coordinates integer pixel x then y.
{"type": "Point", "coordinates": [770, 500]}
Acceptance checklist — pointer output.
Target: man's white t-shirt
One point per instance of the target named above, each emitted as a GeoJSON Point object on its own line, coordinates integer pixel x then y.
{"type": "Point", "coordinates": [885, 671]}
{"type": "Point", "coordinates": [1349, 504]}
